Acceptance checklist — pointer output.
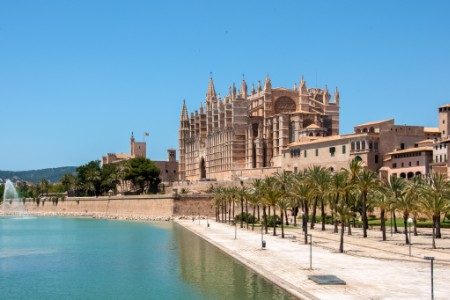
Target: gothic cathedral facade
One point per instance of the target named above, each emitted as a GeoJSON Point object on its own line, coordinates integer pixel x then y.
{"type": "Point", "coordinates": [244, 133]}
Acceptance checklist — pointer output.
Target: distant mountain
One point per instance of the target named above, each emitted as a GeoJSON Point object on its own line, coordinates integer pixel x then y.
{"type": "Point", "coordinates": [34, 176]}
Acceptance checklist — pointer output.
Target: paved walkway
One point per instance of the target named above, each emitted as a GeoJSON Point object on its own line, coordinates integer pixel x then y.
{"type": "Point", "coordinates": [372, 269]}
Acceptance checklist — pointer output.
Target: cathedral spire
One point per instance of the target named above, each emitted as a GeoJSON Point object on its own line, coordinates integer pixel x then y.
{"type": "Point", "coordinates": [303, 89]}
{"type": "Point", "coordinates": [336, 96]}
{"type": "Point", "coordinates": [211, 93]}
{"type": "Point", "coordinates": [259, 86]}
{"type": "Point", "coordinates": [267, 85]}
{"type": "Point", "coordinates": [184, 113]}
{"type": "Point", "coordinates": [326, 95]}
{"type": "Point", "coordinates": [253, 89]}
{"type": "Point", "coordinates": [243, 91]}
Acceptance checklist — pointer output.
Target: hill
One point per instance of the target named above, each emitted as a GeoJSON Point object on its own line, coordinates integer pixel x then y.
{"type": "Point", "coordinates": [34, 176]}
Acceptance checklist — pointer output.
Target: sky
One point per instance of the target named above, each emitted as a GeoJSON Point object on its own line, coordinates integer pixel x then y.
{"type": "Point", "coordinates": [77, 77]}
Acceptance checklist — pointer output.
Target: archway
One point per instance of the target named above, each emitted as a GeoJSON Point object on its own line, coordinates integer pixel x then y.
{"type": "Point", "coordinates": [202, 169]}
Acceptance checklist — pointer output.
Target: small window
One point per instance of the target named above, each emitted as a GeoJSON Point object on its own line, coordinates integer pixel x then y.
{"type": "Point", "coordinates": [343, 149]}
{"type": "Point", "coordinates": [332, 150]}
{"type": "Point", "coordinates": [317, 152]}
{"type": "Point", "coordinates": [403, 165]}
{"type": "Point", "coordinates": [410, 164]}
{"type": "Point", "coordinates": [402, 146]}
{"type": "Point", "coordinates": [376, 159]}
{"type": "Point", "coordinates": [418, 163]}
{"type": "Point", "coordinates": [305, 153]}
{"type": "Point", "coordinates": [394, 165]}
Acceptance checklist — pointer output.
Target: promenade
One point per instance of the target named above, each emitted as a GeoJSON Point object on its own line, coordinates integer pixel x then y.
{"type": "Point", "coordinates": [372, 269]}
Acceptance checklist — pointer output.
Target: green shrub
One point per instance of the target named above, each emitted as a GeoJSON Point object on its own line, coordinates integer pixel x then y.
{"type": "Point", "coordinates": [248, 218]}
{"type": "Point", "coordinates": [270, 220]}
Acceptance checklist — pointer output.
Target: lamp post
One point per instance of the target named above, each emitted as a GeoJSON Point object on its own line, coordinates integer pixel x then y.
{"type": "Point", "coordinates": [431, 258]}
{"type": "Point", "coordinates": [310, 251]}
{"type": "Point", "coordinates": [235, 229]}
{"type": "Point", "coordinates": [410, 242]}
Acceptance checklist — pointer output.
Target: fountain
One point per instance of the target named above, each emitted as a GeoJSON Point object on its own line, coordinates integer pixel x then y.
{"type": "Point", "coordinates": [12, 204]}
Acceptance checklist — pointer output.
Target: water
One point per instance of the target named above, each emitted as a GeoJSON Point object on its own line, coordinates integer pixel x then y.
{"type": "Point", "coordinates": [12, 204]}
{"type": "Point", "coordinates": [58, 258]}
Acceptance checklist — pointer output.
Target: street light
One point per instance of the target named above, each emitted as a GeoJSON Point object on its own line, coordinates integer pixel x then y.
{"type": "Point", "coordinates": [235, 229]}
{"type": "Point", "coordinates": [310, 251]}
{"type": "Point", "coordinates": [431, 258]}
{"type": "Point", "coordinates": [410, 222]}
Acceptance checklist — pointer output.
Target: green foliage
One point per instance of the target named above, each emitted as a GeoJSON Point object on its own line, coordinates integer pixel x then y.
{"type": "Point", "coordinates": [270, 220]}
{"type": "Point", "coordinates": [143, 173]}
{"type": "Point", "coordinates": [248, 218]}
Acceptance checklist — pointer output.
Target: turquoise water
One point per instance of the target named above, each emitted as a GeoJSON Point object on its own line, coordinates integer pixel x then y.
{"type": "Point", "coordinates": [60, 258]}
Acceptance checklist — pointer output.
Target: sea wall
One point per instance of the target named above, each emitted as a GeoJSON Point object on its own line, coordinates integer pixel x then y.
{"type": "Point", "coordinates": [145, 205]}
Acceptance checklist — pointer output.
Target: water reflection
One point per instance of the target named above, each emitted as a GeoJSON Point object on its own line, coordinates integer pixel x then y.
{"type": "Point", "coordinates": [216, 275]}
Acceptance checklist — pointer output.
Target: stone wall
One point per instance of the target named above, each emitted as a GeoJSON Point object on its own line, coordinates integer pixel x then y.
{"type": "Point", "coordinates": [154, 205]}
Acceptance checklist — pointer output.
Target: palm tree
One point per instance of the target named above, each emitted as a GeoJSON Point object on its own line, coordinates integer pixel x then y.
{"type": "Point", "coordinates": [300, 190]}
{"type": "Point", "coordinates": [395, 187]}
{"type": "Point", "coordinates": [283, 204]}
{"type": "Point", "coordinates": [344, 212]}
{"type": "Point", "coordinates": [283, 181]}
{"type": "Point", "coordinates": [365, 182]}
{"type": "Point", "coordinates": [338, 187]}
{"type": "Point", "coordinates": [406, 204]}
{"type": "Point", "coordinates": [319, 178]}
{"type": "Point", "coordinates": [415, 190]}
{"type": "Point", "coordinates": [383, 202]}
{"type": "Point", "coordinates": [272, 196]}
{"type": "Point", "coordinates": [435, 200]}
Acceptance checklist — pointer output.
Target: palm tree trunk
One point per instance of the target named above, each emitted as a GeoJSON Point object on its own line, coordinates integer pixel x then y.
{"type": "Point", "coordinates": [305, 222]}
{"type": "Point", "coordinates": [322, 209]}
{"type": "Point", "coordinates": [259, 218]}
{"type": "Point", "coordinates": [274, 221]}
{"type": "Point", "coordinates": [438, 226]}
{"type": "Point", "coordinates": [341, 243]}
{"type": "Point", "coordinates": [405, 222]}
{"type": "Point", "coordinates": [415, 225]}
{"type": "Point", "coordinates": [349, 228]}
{"type": "Point", "coordinates": [246, 212]}
{"type": "Point", "coordinates": [364, 214]}
{"type": "Point", "coordinates": [253, 220]}
{"type": "Point", "coordinates": [313, 217]}
{"type": "Point", "coordinates": [395, 223]}
{"type": "Point", "coordinates": [242, 213]}
{"type": "Point", "coordinates": [434, 232]}
{"type": "Point", "coordinates": [282, 226]}
{"type": "Point", "coordinates": [286, 217]}
{"type": "Point", "coordinates": [265, 219]}
{"type": "Point", "coordinates": [383, 224]}
{"type": "Point", "coordinates": [295, 212]}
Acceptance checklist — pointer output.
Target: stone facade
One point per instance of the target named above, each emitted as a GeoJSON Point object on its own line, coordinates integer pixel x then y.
{"type": "Point", "coordinates": [244, 132]}
{"type": "Point", "coordinates": [257, 134]}
{"type": "Point", "coordinates": [168, 169]}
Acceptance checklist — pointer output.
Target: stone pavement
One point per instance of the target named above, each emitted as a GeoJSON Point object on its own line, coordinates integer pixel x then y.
{"type": "Point", "coordinates": [372, 269]}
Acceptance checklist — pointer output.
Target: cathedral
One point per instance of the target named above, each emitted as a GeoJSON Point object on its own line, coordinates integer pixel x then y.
{"type": "Point", "coordinates": [244, 134]}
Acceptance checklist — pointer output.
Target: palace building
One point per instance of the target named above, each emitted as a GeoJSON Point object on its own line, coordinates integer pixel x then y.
{"type": "Point", "coordinates": [245, 133]}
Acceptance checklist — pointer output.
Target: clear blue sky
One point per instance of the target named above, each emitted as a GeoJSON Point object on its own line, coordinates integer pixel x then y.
{"type": "Point", "coordinates": [77, 77]}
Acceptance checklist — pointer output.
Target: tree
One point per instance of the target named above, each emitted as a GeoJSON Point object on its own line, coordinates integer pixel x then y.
{"type": "Point", "coordinates": [143, 173]}
{"type": "Point", "coordinates": [300, 190]}
{"type": "Point", "coordinates": [365, 182]}
{"type": "Point", "coordinates": [88, 179]}
{"type": "Point", "coordinates": [68, 182]}
{"type": "Point", "coordinates": [435, 200]}
{"type": "Point", "coordinates": [319, 178]}
{"type": "Point", "coordinates": [271, 197]}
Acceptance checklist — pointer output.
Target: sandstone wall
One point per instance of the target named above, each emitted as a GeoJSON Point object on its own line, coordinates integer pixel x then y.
{"type": "Point", "coordinates": [157, 205]}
